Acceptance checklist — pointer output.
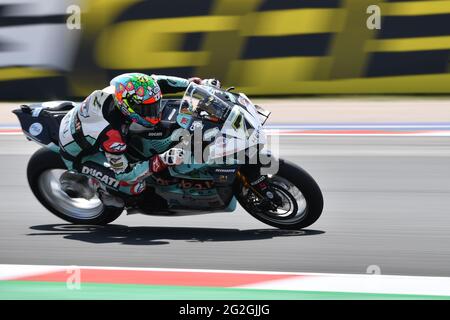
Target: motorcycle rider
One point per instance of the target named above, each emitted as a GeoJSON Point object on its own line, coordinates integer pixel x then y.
{"type": "Point", "coordinates": [92, 138]}
{"type": "Point", "coordinates": [99, 126]}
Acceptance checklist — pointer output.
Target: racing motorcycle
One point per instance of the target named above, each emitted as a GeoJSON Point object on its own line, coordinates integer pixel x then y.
{"type": "Point", "coordinates": [230, 134]}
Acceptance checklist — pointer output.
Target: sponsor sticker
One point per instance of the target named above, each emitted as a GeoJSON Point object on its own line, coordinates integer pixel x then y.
{"type": "Point", "coordinates": [35, 129]}
{"type": "Point", "coordinates": [137, 188]}
{"type": "Point", "coordinates": [155, 134]}
{"type": "Point", "coordinates": [183, 120]}
{"type": "Point", "coordinates": [225, 170]}
{"type": "Point", "coordinates": [118, 147]}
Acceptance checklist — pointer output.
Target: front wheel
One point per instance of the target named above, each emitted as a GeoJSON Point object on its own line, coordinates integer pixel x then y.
{"type": "Point", "coordinates": [302, 200]}
{"type": "Point", "coordinates": [43, 172]}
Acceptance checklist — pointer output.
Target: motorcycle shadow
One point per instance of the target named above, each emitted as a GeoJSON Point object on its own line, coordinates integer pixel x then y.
{"type": "Point", "coordinates": [160, 235]}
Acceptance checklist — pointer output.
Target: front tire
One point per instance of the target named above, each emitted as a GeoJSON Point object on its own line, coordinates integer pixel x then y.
{"type": "Point", "coordinates": [43, 172]}
{"type": "Point", "coordinates": [290, 180]}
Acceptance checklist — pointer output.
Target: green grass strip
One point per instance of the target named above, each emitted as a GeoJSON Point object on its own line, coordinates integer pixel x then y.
{"type": "Point", "coordinates": [23, 290]}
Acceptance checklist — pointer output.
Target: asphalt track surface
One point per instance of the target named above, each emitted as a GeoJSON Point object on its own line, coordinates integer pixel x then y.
{"type": "Point", "coordinates": [387, 207]}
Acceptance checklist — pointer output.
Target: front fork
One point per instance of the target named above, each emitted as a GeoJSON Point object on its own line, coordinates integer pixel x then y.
{"type": "Point", "coordinates": [244, 181]}
{"type": "Point", "coordinates": [266, 195]}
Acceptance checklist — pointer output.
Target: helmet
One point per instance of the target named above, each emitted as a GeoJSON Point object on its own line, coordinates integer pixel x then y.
{"type": "Point", "coordinates": [138, 97]}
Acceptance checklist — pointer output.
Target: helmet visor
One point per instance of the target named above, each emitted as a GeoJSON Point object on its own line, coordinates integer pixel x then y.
{"type": "Point", "coordinates": [149, 111]}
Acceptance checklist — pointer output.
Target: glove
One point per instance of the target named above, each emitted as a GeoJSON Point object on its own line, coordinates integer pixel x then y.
{"type": "Point", "coordinates": [195, 80]}
{"type": "Point", "coordinates": [172, 157]}
{"type": "Point", "coordinates": [211, 82]}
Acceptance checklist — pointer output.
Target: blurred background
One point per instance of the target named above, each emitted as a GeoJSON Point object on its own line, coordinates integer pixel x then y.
{"type": "Point", "coordinates": [263, 47]}
{"type": "Point", "coordinates": [365, 111]}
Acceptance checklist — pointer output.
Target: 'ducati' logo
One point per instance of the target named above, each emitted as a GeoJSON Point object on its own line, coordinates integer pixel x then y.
{"type": "Point", "coordinates": [100, 176]}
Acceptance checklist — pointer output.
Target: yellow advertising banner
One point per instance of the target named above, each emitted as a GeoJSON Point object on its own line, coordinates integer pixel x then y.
{"type": "Point", "coordinates": [266, 47]}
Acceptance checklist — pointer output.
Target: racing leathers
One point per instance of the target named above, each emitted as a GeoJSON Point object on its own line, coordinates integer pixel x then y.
{"type": "Point", "coordinates": [92, 139]}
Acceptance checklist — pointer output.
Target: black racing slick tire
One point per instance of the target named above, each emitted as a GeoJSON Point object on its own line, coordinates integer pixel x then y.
{"type": "Point", "coordinates": [300, 181]}
{"type": "Point", "coordinates": [40, 167]}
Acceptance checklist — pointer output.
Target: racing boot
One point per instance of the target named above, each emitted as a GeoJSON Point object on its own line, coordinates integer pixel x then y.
{"type": "Point", "coordinates": [157, 163]}
{"type": "Point", "coordinates": [110, 200]}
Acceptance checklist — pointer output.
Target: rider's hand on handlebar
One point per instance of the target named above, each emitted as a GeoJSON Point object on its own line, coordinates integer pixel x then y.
{"type": "Point", "coordinates": [172, 157]}
{"type": "Point", "coordinates": [195, 80]}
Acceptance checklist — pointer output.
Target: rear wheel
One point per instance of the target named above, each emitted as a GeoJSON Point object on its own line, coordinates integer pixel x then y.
{"type": "Point", "coordinates": [43, 172]}
{"type": "Point", "coordinates": [301, 199]}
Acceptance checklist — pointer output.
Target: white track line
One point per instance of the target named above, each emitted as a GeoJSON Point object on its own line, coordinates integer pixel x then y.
{"type": "Point", "coordinates": [318, 282]}
{"type": "Point", "coordinates": [375, 284]}
{"type": "Point", "coordinates": [13, 271]}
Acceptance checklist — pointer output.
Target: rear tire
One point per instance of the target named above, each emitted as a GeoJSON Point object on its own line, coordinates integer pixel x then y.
{"type": "Point", "coordinates": [308, 188]}
{"type": "Point", "coordinates": [44, 160]}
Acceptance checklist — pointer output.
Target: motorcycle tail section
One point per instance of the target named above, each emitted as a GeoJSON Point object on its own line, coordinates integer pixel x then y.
{"type": "Point", "coordinates": [41, 124]}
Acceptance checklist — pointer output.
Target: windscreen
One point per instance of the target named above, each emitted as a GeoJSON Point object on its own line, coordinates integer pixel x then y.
{"type": "Point", "coordinates": [200, 101]}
